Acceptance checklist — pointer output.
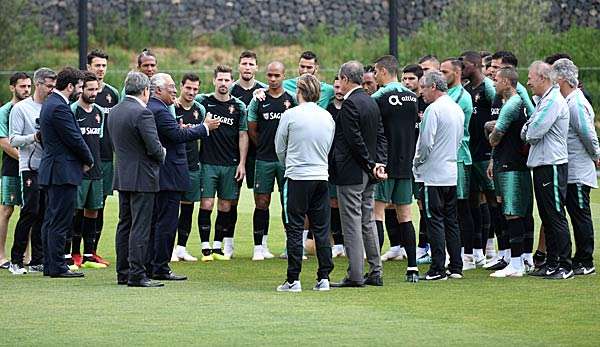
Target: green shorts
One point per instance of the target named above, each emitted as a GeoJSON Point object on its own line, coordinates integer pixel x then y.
{"type": "Point", "coordinates": [250, 169]}
{"type": "Point", "coordinates": [266, 173]}
{"type": "Point", "coordinates": [332, 191]}
{"type": "Point", "coordinates": [480, 182]}
{"type": "Point", "coordinates": [220, 180]}
{"type": "Point", "coordinates": [463, 181]}
{"type": "Point", "coordinates": [193, 194]}
{"type": "Point", "coordinates": [108, 173]}
{"type": "Point", "coordinates": [89, 195]}
{"type": "Point", "coordinates": [515, 189]}
{"type": "Point", "coordinates": [11, 191]}
{"type": "Point", "coordinates": [394, 190]}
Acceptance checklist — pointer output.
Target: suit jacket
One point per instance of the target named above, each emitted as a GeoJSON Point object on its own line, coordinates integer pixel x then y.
{"type": "Point", "coordinates": [138, 151]}
{"type": "Point", "coordinates": [359, 141]}
{"type": "Point", "coordinates": [65, 151]}
{"type": "Point", "coordinates": [174, 173]}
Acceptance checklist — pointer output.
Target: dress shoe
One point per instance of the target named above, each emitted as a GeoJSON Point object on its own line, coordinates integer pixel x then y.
{"type": "Point", "coordinates": [347, 283]}
{"type": "Point", "coordinates": [68, 274]}
{"type": "Point", "coordinates": [145, 283]}
{"type": "Point", "coordinates": [169, 277]}
{"type": "Point", "coordinates": [373, 281]}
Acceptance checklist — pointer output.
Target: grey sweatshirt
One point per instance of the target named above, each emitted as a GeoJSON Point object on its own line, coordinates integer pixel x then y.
{"type": "Point", "coordinates": [303, 141]}
{"type": "Point", "coordinates": [546, 130]}
{"type": "Point", "coordinates": [22, 129]}
{"type": "Point", "coordinates": [440, 135]}
{"type": "Point", "coordinates": [582, 141]}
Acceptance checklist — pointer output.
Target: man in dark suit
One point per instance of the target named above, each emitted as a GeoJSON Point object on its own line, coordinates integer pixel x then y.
{"type": "Point", "coordinates": [359, 157]}
{"type": "Point", "coordinates": [66, 157]}
{"type": "Point", "coordinates": [138, 155]}
{"type": "Point", "coordinates": [174, 175]}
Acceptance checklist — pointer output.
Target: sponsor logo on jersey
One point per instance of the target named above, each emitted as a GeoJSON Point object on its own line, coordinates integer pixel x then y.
{"type": "Point", "coordinates": [222, 120]}
{"type": "Point", "coordinates": [271, 115]}
{"type": "Point", "coordinates": [90, 131]}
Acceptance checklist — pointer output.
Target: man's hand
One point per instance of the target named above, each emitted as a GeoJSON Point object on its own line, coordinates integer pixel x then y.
{"type": "Point", "coordinates": [210, 122]}
{"type": "Point", "coordinates": [87, 168]}
{"type": "Point", "coordinates": [379, 172]}
{"type": "Point", "coordinates": [490, 170]}
{"type": "Point", "coordinates": [38, 137]}
{"type": "Point", "coordinates": [598, 163]}
{"type": "Point", "coordinates": [489, 127]}
{"type": "Point", "coordinates": [259, 94]}
{"type": "Point", "coordinates": [240, 172]}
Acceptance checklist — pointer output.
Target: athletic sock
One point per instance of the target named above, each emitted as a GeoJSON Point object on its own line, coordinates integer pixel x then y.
{"type": "Point", "coordinates": [76, 233]}
{"type": "Point", "coordinates": [185, 224]}
{"type": "Point", "coordinates": [516, 230]}
{"type": "Point", "coordinates": [408, 230]}
{"type": "Point", "coordinates": [529, 225]}
{"type": "Point", "coordinates": [502, 234]}
{"type": "Point", "coordinates": [485, 223]}
{"type": "Point", "coordinates": [380, 231]}
{"type": "Point", "coordinates": [475, 210]}
{"type": "Point", "coordinates": [88, 231]}
{"type": "Point", "coordinates": [265, 241]}
{"type": "Point", "coordinates": [205, 245]}
{"type": "Point", "coordinates": [517, 263]}
{"type": "Point", "coordinates": [336, 227]}
{"type": "Point", "coordinates": [221, 228]}
{"type": "Point", "coordinates": [260, 223]}
{"type": "Point", "coordinates": [393, 228]}
{"type": "Point", "coordinates": [233, 216]}
{"type": "Point", "coordinates": [99, 224]}
{"type": "Point", "coordinates": [204, 225]}
{"type": "Point", "coordinates": [422, 229]}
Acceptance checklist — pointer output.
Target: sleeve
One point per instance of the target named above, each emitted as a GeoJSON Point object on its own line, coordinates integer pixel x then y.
{"type": "Point", "coordinates": [16, 125]}
{"type": "Point", "coordinates": [200, 97]}
{"type": "Point", "coordinates": [4, 112]}
{"type": "Point", "coordinates": [252, 108]}
{"type": "Point", "coordinates": [351, 130]}
{"type": "Point", "coordinates": [167, 126]}
{"type": "Point", "coordinates": [582, 122]}
{"type": "Point", "coordinates": [542, 121]}
{"type": "Point", "coordinates": [381, 151]}
{"type": "Point", "coordinates": [466, 104]}
{"type": "Point", "coordinates": [490, 91]}
{"type": "Point", "coordinates": [281, 137]}
{"type": "Point", "coordinates": [243, 116]}
{"type": "Point", "coordinates": [69, 133]}
{"type": "Point", "coordinates": [506, 116]}
{"type": "Point", "coordinates": [201, 108]}
{"type": "Point", "coordinates": [526, 99]}
{"type": "Point", "coordinates": [146, 127]}
{"type": "Point", "coordinates": [427, 133]}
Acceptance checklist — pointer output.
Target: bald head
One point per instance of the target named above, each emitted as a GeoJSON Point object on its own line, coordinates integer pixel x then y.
{"type": "Point", "coordinates": [275, 76]}
{"type": "Point", "coordinates": [276, 65]}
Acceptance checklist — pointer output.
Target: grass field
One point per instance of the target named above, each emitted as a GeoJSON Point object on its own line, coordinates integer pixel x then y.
{"type": "Point", "coordinates": [235, 303]}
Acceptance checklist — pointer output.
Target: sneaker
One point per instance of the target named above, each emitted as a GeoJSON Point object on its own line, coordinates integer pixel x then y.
{"type": "Point", "coordinates": [392, 254]}
{"type": "Point", "coordinates": [228, 247]}
{"type": "Point", "coordinates": [217, 254]}
{"type": "Point", "coordinates": [560, 274]}
{"type": "Point", "coordinates": [5, 265]}
{"type": "Point", "coordinates": [73, 267]}
{"type": "Point", "coordinates": [35, 268]}
{"type": "Point", "coordinates": [99, 259]}
{"type": "Point", "coordinates": [207, 258]}
{"type": "Point", "coordinates": [412, 276]}
{"type": "Point", "coordinates": [426, 259]}
{"type": "Point", "coordinates": [17, 269]}
{"type": "Point", "coordinates": [293, 287]}
{"type": "Point", "coordinates": [499, 265]}
{"type": "Point", "coordinates": [479, 261]}
{"type": "Point", "coordinates": [266, 253]}
{"type": "Point", "coordinates": [321, 286]}
{"type": "Point", "coordinates": [508, 271]}
{"type": "Point", "coordinates": [581, 270]}
{"type": "Point", "coordinates": [543, 271]}
{"type": "Point", "coordinates": [182, 254]}
{"type": "Point", "coordinates": [422, 251]}
{"type": "Point", "coordinates": [258, 254]}
{"type": "Point", "coordinates": [76, 260]}
{"type": "Point", "coordinates": [434, 276]}
{"type": "Point", "coordinates": [454, 274]}
{"type": "Point", "coordinates": [539, 259]}
{"type": "Point", "coordinates": [528, 266]}
{"type": "Point", "coordinates": [338, 251]}
{"type": "Point", "coordinates": [468, 263]}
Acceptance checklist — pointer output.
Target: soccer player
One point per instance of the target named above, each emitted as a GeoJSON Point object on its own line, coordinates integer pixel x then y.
{"type": "Point", "coordinates": [24, 134]}
{"type": "Point", "coordinates": [369, 83]}
{"type": "Point", "coordinates": [223, 161]}
{"type": "Point", "coordinates": [309, 64]}
{"type": "Point", "coordinates": [89, 194]}
{"type": "Point", "coordinates": [584, 152]}
{"type": "Point", "coordinates": [482, 197]}
{"type": "Point", "coordinates": [243, 89]}
{"type": "Point", "coordinates": [20, 87]}
{"type": "Point", "coordinates": [434, 164]}
{"type": "Point", "coordinates": [546, 131]}
{"type": "Point", "coordinates": [107, 98]}
{"type": "Point", "coordinates": [510, 172]}
{"type": "Point", "coordinates": [429, 63]}
{"type": "Point", "coordinates": [452, 71]}
{"type": "Point", "coordinates": [263, 120]}
{"type": "Point", "coordinates": [146, 64]}
{"type": "Point", "coordinates": [399, 113]}
{"type": "Point", "coordinates": [189, 113]}
{"type": "Point", "coordinates": [506, 58]}
{"type": "Point", "coordinates": [335, 223]}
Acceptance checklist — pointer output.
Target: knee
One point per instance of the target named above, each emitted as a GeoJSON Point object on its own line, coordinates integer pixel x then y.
{"type": "Point", "coordinates": [262, 201]}
{"type": "Point", "coordinates": [333, 203]}
{"type": "Point", "coordinates": [207, 204]}
{"type": "Point", "coordinates": [6, 211]}
{"type": "Point", "coordinates": [224, 205]}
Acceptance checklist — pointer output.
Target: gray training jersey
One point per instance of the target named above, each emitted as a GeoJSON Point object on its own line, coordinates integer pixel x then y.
{"type": "Point", "coordinates": [546, 130]}
{"type": "Point", "coordinates": [22, 129]}
{"type": "Point", "coordinates": [582, 141]}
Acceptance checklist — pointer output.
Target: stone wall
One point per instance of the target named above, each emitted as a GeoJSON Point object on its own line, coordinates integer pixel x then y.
{"type": "Point", "coordinates": [283, 17]}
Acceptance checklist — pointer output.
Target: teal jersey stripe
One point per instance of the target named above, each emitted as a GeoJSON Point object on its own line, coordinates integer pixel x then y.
{"type": "Point", "coordinates": [556, 194]}
{"type": "Point", "coordinates": [427, 202]}
{"type": "Point", "coordinates": [285, 196]}
{"type": "Point", "coordinates": [580, 196]}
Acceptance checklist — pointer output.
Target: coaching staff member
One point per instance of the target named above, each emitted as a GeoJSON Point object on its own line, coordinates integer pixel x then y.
{"type": "Point", "coordinates": [138, 154]}
{"type": "Point", "coordinates": [302, 143]}
{"type": "Point", "coordinates": [66, 157]}
{"type": "Point", "coordinates": [359, 157]}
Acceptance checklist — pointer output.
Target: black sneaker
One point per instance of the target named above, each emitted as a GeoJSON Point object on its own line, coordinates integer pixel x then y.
{"type": "Point", "coordinates": [581, 270]}
{"type": "Point", "coordinates": [5, 265]}
{"type": "Point", "coordinates": [543, 271]}
{"type": "Point", "coordinates": [539, 259]}
{"type": "Point", "coordinates": [217, 251]}
{"type": "Point", "coordinates": [434, 276]}
{"type": "Point", "coordinates": [560, 274]}
{"type": "Point", "coordinates": [412, 276]}
{"type": "Point", "coordinates": [500, 264]}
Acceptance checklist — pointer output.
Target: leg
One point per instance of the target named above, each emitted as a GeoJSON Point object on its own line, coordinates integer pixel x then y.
{"type": "Point", "coordinates": [27, 216]}
{"type": "Point", "coordinates": [452, 232]}
{"type": "Point", "coordinates": [433, 205]}
{"type": "Point", "coordinates": [296, 206]}
{"type": "Point", "coordinates": [57, 222]}
{"type": "Point", "coordinates": [122, 236]}
{"type": "Point", "coordinates": [350, 201]}
{"type": "Point", "coordinates": [318, 215]}
{"type": "Point", "coordinates": [369, 231]}
{"type": "Point", "coordinates": [166, 228]}
{"type": "Point", "coordinates": [141, 207]}
{"type": "Point", "coordinates": [578, 206]}
{"type": "Point", "coordinates": [5, 214]}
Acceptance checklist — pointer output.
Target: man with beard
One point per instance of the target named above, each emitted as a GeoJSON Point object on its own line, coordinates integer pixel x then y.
{"type": "Point", "coordinates": [24, 135]}
{"type": "Point", "coordinates": [369, 84]}
{"type": "Point", "coordinates": [335, 223]}
{"type": "Point", "coordinates": [20, 87]}
{"type": "Point", "coordinates": [146, 64]}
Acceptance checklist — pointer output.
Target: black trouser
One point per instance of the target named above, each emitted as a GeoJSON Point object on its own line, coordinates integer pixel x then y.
{"type": "Point", "coordinates": [30, 221]}
{"type": "Point", "coordinates": [578, 206]}
{"type": "Point", "coordinates": [550, 188]}
{"type": "Point", "coordinates": [163, 231]}
{"type": "Point", "coordinates": [133, 232]}
{"type": "Point", "coordinates": [58, 221]}
{"type": "Point", "coordinates": [307, 198]}
{"type": "Point", "coordinates": [442, 227]}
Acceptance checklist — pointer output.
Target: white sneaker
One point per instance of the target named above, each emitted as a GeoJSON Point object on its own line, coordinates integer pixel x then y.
{"type": "Point", "coordinates": [228, 247]}
{"type": "Point", "coordinates": [266, 253]}
{"type": "Point", "coordinates": [322, 285]}
{"type": "Point", "coordinates": [508, 271]}
{"type": "Point", "coordinates": [479, 261]}
{"type": "Point", "coordinates": [293, 287]}
{"type": "Point", "coordinates": [258, 253]}
{"type": "Point", "coordinates": [392, 254]}
{"type": "Point", "coordinates": [15, 269]}
{"type": "Point", "coordinates": [492, 261]}
{"type": "Point", "coordinates": [183, 254]}
{"type": "Point", "coordinates": [338, 251]}
{"type": "Point", "coordinates": [468, 262]}
{"type": "Point", "coordinates": [402, 255]}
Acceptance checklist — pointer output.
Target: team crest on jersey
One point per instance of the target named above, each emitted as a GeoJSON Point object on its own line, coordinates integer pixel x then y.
{"type": "Point", "coordinates": [477, 97]}
{"type": "Point", "coordinates": [287, 104]}
{"type": "Point", "coordinates": [196, 114]}
{"type": "Point", "coordinates": [28, 182]}
{"type": "Point", "coordinates": [266, 115]}
{"type": "Point", "coordinates": [109, 98]}
{"type": "Point", "coordinates": [231, 109]}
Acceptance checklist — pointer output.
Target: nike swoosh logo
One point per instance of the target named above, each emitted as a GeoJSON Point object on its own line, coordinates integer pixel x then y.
{"type": "Point", "coordinates": [545, 184]}
{"type": "Point", "coordinates": [266, 105]}
{"type": "Point", "coordinates": [210, 105]}
{"type": "Point", "coordinates": [566, 275]}
{"type": "Point", "coordinates": [81, 120]}
{"type": "Point", "coordinates": [548, 272]}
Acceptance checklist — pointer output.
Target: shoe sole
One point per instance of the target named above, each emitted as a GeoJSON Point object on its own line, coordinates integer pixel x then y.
{"type": "Point", "coordinates": [289, 290]}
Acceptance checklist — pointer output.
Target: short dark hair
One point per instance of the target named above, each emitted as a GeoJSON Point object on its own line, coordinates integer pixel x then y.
{"type": "Point", "coordinates": [247, 54]}
{"type": "Point", "coordinates": [96, 53]}
{"type": "Point", "coordinates": [456, 63]}
{"type": "Point", "coordinates": [506, 57]}
{"type": "Point", "coordinates": [554, 57]}
{"type": "Point", "coordinates": [472, 57]}
{"type": "Point", "coordinates": [483, 54]}
{"type": "Point", "coordinates": [67, 76]}
{"type": "Point", "coordinates": [510, 73]}
{"type": "Point", "coordinates": [223, 69]}
{"type": "Point", "coordinates": [18, 76]}
{"type": "Point", "coordinates": [428, 57]}
{"type": "Point", "coordinates": [336, 78]}
{"type": "Point", "coordinates": [388, 62]}
{"type": "Point", "coordinates": [309, 55]}
{"type": "Point", "coordinates": [415, 69]}
{"type": "Point", "coordinates": [145, 53]}
{"type": "Point", "coordinates": [89, 77]}
{"type": "Point", "coordinates": [369, 69]}
{"type": "Point", "coordinates": [192, 77]}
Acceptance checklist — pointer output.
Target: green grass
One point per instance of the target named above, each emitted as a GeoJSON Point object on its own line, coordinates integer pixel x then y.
{"type": "Point", "coordinates": [235, 303]}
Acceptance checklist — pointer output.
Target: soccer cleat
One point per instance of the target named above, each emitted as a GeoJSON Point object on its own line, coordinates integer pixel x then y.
{"type": "Point", "coordinates": [426, 259]}
{"type": "Point", "coordinates": [266, 253]}
{"type": "Point", "coordinates": [206, 255]}
{"type": "Point", "coordinates": [581, 270]}
{"type": "Point", "coordinates": [499, 265]}
{"type": "Point", "coordinates": [479, 261]}
{"type": "Point", "coordinates": [434, 276]}
{"type": "Point", "coordinates": [542, 271]}
{"type": "Point", "coordinates": [454, 275]}
{"type": "Point", "coordinates": [394, 253]}
{"type": "Point", "coordinates": [17, 269]}
{"type": "Point", "coordinates": [76, 258]}
{"type": "Point", "coordinates": [258, 253]}
{"type": "Point", "coordinates": [322, 285]}
{"type": "Point", "coordinates": [528, 267]}
{"type": "Point", "coordinates": [99, 259]}
{"type": "Point", "coordinates": [217, 254]}
{"type": "Point", "coordinates": [560, 274]}
{"type": "Point", "coordinates": [293, 287]}
{"type": "Point", "coordinates": [88, 263]}
{"type": "Point", "coordinates": [508, 271]}
{"type": "Point", "coordinates": [36, 268]}
{"type": "Point", "coordinates": [468, 263]}
{"type": "Point", "coordinates": [422, 251]}
{"type": "Point", "coordinates": [412, 276]}
{"type": "Point", "coordinates": [338, 251]}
